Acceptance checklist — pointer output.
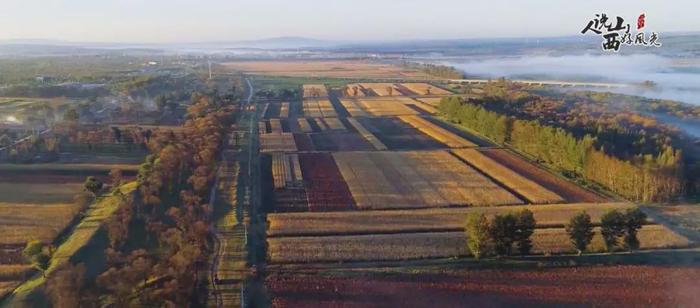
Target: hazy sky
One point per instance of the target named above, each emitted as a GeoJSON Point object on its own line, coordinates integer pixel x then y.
{"type": "Point", "coordinates": [222, 20]}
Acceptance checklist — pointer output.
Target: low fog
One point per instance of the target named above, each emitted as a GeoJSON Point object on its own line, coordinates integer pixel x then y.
{"type": "Point", "coordinates": [675, 81]}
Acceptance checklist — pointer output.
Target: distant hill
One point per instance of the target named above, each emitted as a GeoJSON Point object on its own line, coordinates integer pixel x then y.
{"type": "Point", "coordinates": [286, 42]}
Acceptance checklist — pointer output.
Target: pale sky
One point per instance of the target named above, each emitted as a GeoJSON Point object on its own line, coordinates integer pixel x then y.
{"type": "Point", "coordinates": [170, 21]}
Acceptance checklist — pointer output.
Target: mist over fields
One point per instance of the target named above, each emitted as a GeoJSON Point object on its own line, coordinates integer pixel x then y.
{"type": "Point", "coordinates": [676, 79]}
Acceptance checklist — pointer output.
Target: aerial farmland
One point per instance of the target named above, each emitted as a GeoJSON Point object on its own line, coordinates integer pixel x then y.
{"type": "Point", "coordinates": [350, 175]}
{"type": "Point", "coordinates": [376, 175]}
{"type": "Point", "coordinates": [349, 154]}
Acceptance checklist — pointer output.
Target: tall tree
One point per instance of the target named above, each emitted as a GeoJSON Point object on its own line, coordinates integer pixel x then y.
{"type": "Point", "coordinates": [524, 228]}
{"type": "Point", "coordinates": [477, 232]}
{"type": "Point", "coordinates": [580, 231]}
{"type": "Point", "coordinates": [612, 226]}
{"type": "Point", "coordinates": [634, 220]}
{"type": "Point", "coordinates": [503, 233]}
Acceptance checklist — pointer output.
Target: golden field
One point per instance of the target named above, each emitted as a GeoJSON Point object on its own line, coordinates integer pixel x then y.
{"type": "Point", "coordinates": [532, 191]}
{"type": "Point", "coordinates": [436, 132]}
{"type": "Point", "coordinates": [385, 180]}
{"type": "Point", "coordinates": [378, 107]}
{"type": "Point", "coordinates": [318, 108]}
{"type": "Point", "coordinates": [425, 89]}
{"type": "Point", "coordinates": [20, 223]}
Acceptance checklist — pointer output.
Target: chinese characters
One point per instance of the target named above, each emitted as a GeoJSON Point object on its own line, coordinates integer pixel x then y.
{"type": "Point", "coordinates": [615, 32]}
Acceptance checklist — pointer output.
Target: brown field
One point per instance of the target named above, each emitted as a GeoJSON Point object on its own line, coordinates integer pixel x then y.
{"type": "Point", "coordinates": [38, 193]}
{"type": "Point", "coordinates": [318, 108]}
{"type": "Point", "coordinates": [60, 173]}
{"type": "Point", "coordinates": [532, 191]}
{"type": "Point", "coordinates": [379, 107]}
{"type": "Point", "coordinates": [7, 286]}
{"type": "Point", "coordinates": [436, 132]}
{"type": "Point", "coordinates": [282, 142]}
{"type": "Point", "coordinates": [420, 220]}
{"type": "Point", "coordinates": [595, 286]}
{"type": "Point", "coordinates": [314, 90]}
{"type": "Point", "coordinates": [569, 191]}
{"type": "Point", "coordinates": [393, 180]}
{"type": "Point", "coordinates": [20, 223]}
{"type": "Point", "coordinates": [324, 68]}
{"type": "Point", "coordinates": [410, 246]}
{"type": "Point", "coordinates": [425, 89]}
{"type": "Point", "coordinates": [382, 89]}
{"type": "Point", "coordinates": [10, 272]}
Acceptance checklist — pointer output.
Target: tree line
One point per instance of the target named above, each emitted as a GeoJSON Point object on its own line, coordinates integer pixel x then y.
{"type": "Point", "coordinates": [643, 178]}
{"type": "Point", "coordinates": [502, 232]}
{"type": "Point", "coordinates": [159, 238]}
{"type": "Point", "coordinates": [442, 71]}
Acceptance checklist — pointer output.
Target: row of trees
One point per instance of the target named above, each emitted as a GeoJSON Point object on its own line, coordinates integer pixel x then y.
{"type": "Point", "coordinates": [158, 239]}
{"type": "Point", "coordinates": [499, 234]}
{"type": "Point", "coordinates": [613, 226]}
{"type": "Point", "coordinates": [442, 71]}
{"type": "Point", "coordinates": [643, 178]}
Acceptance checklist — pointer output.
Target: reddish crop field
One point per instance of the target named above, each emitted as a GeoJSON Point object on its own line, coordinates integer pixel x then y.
{"type": "Point", "coordinates": [325, 188]}
{"type": "Point", "coordinates": [609, 286]}
{"type": "Point", "coordinates": [569, 191]}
